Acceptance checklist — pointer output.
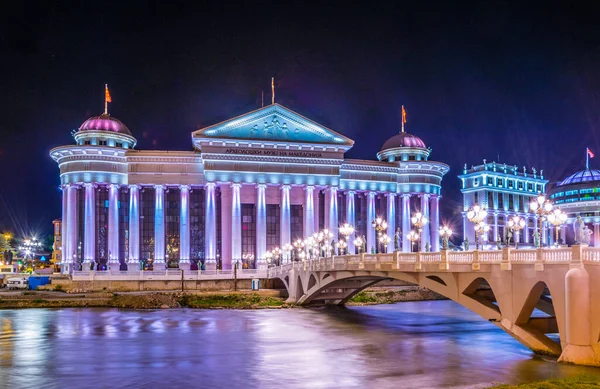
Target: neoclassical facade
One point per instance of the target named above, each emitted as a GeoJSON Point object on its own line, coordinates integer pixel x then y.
{"type": "Point", "coordinates": [505, 191]}
{"type": "Point", "coordinates": [251, 183]}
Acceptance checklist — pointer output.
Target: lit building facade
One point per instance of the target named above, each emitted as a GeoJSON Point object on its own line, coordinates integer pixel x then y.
{"type": "Point", "coordinates": [251, 183]}
{"type": "Point", "coordinates": [57, 244]}
{"type": "Point", "coordinates": [505, 191]}
{"type": "Point", "coordinates": [579, 195]}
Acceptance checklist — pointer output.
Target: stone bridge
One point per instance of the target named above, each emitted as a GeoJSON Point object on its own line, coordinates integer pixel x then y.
{"type": "Point", "coordinates": [530, 294]}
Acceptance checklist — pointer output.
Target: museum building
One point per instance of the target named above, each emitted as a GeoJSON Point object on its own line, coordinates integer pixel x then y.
{"type": "Point", "coordinates": [252, 183]}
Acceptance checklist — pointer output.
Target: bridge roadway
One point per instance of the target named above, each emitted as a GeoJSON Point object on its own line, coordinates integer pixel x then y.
{"type": "Point", "coordinates": [503, 286]}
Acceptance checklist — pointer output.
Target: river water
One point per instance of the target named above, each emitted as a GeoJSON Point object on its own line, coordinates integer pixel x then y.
{"type": "Point", "coordinates": [434, 344]}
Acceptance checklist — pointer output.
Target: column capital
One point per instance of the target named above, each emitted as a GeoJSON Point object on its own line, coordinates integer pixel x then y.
{"type": "Point", "coordinates": [285, 187]}
{"type": "Point", "coordinates": [210, 185]}
{"type": "Point", "coordinates": [184, 187]}
{"type": "Point", "coordinates": [89, 185]}
{"type": "Point", "coordinates": [425, 196]}
{"type": "Point", "coordinates": [261, 186]}
{"type": "Point", "coordinates": [131, 186]}
{"type": "Point", "coordinates": [351, 192]}
{"type": "Point", "coordinates": [309, 187]}
{"type": "Point", "coordinates": [371, 193]}
{"type": "Point", "coordinates": [236, 185]}
{"type": "Point", "coordinates": [405, 195]}
{"type": "Point", "coordinates": [390, 194]}
{"type": "Point", "coordinates": [159, 186]}
{"type": "Point", "coordinates": [113, 185]}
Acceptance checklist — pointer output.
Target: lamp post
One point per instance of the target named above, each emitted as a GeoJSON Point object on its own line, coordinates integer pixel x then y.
{"type": "Point", "coordinates": [413, 236]}
{"type": "Point", "coordinates": [379, 225]}
{"type": "Point", "coordinates": [299, 246]}
{"type": "Point", "coordinates": [477, 215]}
{"type": "Point", "coordinates": [276, 255]}
{"type": "Point", "coordinates": [516, 224]}
{"type": "Point", "coordinates": [358, 242]}
{"type": "Point", "coordinates": [29, 247]}
{"type": "Point", "coordinates": [557, 218]}
{"type": "Point", "coordinates": [346, 230]}
{"type": "Point", "coordinates": [268, 257]}
{"type": "Point", "coordinates": [286, 249]}
{"type": "Point", "coordinates": [542, 207]}
{"type": "Point", "coordinates": [384, 240]}
{"type": "Point", "coordinates": [419, 220]}
{"type": "Point", "coordinates": [445, 233]}
{"type": "Point", "coordinates": [480, 229]}
{"type": "Point", "coordinates": [341, 246]}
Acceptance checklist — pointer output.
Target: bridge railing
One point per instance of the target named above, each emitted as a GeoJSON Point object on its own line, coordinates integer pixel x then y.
{"type": "Point", "coordinates": [456, 260]}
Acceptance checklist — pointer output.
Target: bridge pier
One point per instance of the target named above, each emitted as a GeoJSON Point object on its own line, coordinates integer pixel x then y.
{"type": "Point", "coordinates": [579, 348]}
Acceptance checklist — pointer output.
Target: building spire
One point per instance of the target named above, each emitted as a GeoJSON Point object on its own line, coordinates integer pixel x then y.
{"type": "Point", "coordinates": [272, 90]}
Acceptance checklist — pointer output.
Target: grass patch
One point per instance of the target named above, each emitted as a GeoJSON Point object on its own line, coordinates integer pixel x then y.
{"type": "Point", "coordinates": [38, 301]}
{"type": "Point", "coordinates": [363, 297]}
{"type": "Point", "coordinates": [247, 301]}
{"type": "Point", "coordinates": [577, 382]}
{"type": "Point", "coordinates": [28, 293]}
{"type": "Point", "coordinates": [58, 288]}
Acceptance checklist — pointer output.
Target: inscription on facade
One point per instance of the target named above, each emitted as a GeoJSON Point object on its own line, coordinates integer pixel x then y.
{"type": "Point", "coordinates": [276, 153]}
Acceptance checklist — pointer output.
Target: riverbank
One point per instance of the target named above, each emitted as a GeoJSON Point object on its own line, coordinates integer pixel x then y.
{"type": "Point", "coordinates": [577, 382]}
{"type": "Point", "coordinates": [266, 298]}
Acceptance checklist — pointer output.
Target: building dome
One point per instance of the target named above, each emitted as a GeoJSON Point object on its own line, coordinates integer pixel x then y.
{"type": "Point", "coordinates": [403, 139]}
{"type": "Point", "coordinates": [586, 175]}
{"type": "Point", "coordinates": [105, 122]}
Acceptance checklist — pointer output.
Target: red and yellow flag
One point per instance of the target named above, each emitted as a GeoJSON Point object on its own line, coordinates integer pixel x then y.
{"type": "Point", "coordinates": [107, 94]}
{"type": "Point", "coordinates": [403, 115]}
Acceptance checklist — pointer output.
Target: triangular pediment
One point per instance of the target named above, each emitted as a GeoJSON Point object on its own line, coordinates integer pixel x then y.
{"type": "Point", "coordinates": [273, 123]}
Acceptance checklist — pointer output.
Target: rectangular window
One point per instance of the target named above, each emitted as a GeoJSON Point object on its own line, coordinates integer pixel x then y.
{"type": "Point", "coordinates": [530, 187]}
{"type": "Point", "coordinates": [147, 210]}
{"type": "Point", "coordinates": [490, 200]}
{"type": "Point", "coordinates": [296, 222]}
{"type": "Point", "coordinates": [102, 143]}
{"type": "Point", "coordinates": [197, 223]}
{"type": "Point", "coordinates": [172, 226]}
{"type": "Point", "coordinates": [102, 226]}
{"type": "Point", "coordinates": [500, 182]}
{"type": "Point", "coordinates": [248, 236]}
{"type": "Point", "coordinates": [273, 226]}
{"type": "Point", "coordinates": [119, 144]}
{"type": "Point", "coordinates": [520, 185]}
{"type": "Point", "coordinates": [87, 142]}
{"type": "Point", "coordinates": [321, 210]}
{"type": "Point", "coordinates": [490, 181]}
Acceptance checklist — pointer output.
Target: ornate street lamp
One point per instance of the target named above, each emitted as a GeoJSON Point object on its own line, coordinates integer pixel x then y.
{"type": "Point", "coordinates": [287, 249]}
{"type": "Point", "coordinates": [516, 224]}
{"type": "Point", "coordinates": [445, 233]}
{"type": "Point", "coordinates": [277, 254]}
{"type": "Point", "coordinates": [379, 225]}
{"type": "Point", "coordinates": [413, 236]}
{"type": "Point", "coordinates": [477, 215]}
{"type": "Point", "coordinates": [325, 237]}
{"type": "Point", "coordinates": [480, 229]}
{"type": "Point", "coordinates": [346, 230]}
{"type": "Point", "coordinates": [341, 245]}
{"type": "Point", "coordinates": [268, 257]}
{"type": "Point", "coordinates": [358, 242]}
{"type": "Point", "coordinates": [557, 218]}
{"type": "Point", "coordinates": [384, 240]}
{"type": "Point", "coordinates": [419, 220]}
{"type": "Point", "coordinates": [542, 207]}
{"type": "Point", "coordinates": [299, 246]}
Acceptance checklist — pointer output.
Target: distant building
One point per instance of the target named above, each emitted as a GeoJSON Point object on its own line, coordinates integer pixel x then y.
{"type": "Point", "coordinates": [57, 245]}
{"type": "Point", "coordinates": [579, 195]}
{"type": "Point", "coordinates": [504, 191]}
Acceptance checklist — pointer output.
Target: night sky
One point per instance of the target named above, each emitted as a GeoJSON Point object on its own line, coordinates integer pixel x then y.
{"type": "Point", "coordinates": [489, 79]}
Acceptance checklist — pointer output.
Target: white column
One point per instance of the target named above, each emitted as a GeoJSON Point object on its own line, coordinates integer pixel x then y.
{"type": "Point", "coordinates": [425, 237]}
{"type": "Point", "coordinates": [465, 226]}
{"type": "Point", "coordinates": [391, 220]}
{"type": "Point", "coordinates": [526, 229]}
{"type": "Point", "coordinates": [236, 225]}
{"type": "Point", "coordinates": [159, 227]}
{"type": "Point", "coordinates": [184, 224]}
{"type": "Point", "coordinates": [333, 212]}
{"type": "Point", "coordinates": [284, 224]}
{"type": "Point", "coordinates": [210, 225]}
{"type": "Point", "coordinates": [406, 244]}
{"type": "Point", "coordinates": [496, 225]}
{"type": "Point", "coordinates": [544, 233]}
{"type": "Point", "coordinates": [261, 224]}
{"type": "Point", "coordinates": [89, 239]}
{"type": "Point", "coordinates": [309, 211]}
{"type": "Point", "coordinates": [73, 227]}
{"type": "Point", "coordinates": [64, 232]}
{"type": "Point", "coordinates": [371, 235]}
{"type": "Point", "coordinates": [113, 225]}
{"type": "Point", "coordinates": [563, 233]}
{"type": "Point", "coordinates": [134, 227]}
{"type": "Point", "coordinates": [435, 223]}
{"type": "Point", "coordinates": [596, 234]}
{"type": "Point", "coordinates": [351, 218]}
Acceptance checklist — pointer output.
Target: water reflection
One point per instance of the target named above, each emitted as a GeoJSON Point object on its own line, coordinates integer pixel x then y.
{"type": "Point", "coordinates": [409, 345]}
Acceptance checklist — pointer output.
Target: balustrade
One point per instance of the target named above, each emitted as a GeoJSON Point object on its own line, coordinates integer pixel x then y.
{"type": "Point", "coordinates": [523, 256]}
{"type": "Point", "coordinates": [490, 256]}
{"type": "Point", "coordinates": [461, 257]}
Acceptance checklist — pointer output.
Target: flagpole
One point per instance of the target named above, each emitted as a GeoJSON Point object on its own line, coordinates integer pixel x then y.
{"type": "Point", "coordinates": [272, 90]}
{"type": "Point", "coordinates": [587, 159]}
{"type": "Point", "coordinates": [105, 100]}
